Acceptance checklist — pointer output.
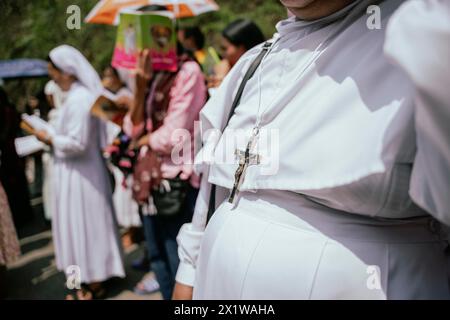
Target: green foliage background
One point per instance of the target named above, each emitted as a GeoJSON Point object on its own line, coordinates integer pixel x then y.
{"type": "Point", "coordinates": [31, 28]}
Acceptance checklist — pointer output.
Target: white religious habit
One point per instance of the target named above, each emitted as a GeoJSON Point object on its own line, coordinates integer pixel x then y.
{"type": "Point", "coordinates": [58, 97]}
{"type": "Point", "coordinates": [84, 226]}
{"type": "Point", "coordinates": [347, 196]}
{"type": "Point", "coordinates": [127, 211]}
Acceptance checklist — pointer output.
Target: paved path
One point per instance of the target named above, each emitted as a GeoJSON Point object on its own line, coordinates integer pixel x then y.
{"type": "Point", "coordinates": [34, 275]}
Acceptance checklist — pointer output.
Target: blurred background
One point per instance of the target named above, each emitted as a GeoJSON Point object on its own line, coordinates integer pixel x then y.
{"type": "Point", "coordinates": [30, 29]}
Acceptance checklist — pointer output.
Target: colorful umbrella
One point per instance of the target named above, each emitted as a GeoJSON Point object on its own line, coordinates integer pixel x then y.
{"type": "Point", "coordinates": [107, 11]}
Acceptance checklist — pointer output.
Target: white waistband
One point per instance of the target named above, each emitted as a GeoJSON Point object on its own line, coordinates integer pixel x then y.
{"type": "Point", "coordinates": [296, 211]}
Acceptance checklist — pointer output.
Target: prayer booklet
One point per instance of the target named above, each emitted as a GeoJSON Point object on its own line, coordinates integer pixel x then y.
{"type": "Point", "coordinates": [28, 145]}
{"type": "Point", "coordinates": [32, 123]}
{"type": "Point", "coordinates": [146, 30]}
{"type": "Point", "coordinates": [107, 109]}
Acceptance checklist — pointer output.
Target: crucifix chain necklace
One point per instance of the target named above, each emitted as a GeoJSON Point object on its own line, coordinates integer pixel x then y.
{"type": "Point", "coordinates": [245, 157]}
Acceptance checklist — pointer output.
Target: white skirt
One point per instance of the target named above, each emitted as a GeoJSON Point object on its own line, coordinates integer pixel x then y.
{"type": "Point", "coordinates": [47, 166]}
{"type": "Point", "coordinates": [280, 245]}
{"type": "Point", "coordinates": [83, 224]}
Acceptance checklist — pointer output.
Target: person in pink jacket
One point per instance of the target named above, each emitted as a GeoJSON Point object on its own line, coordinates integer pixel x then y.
{"type": "Point", "coordinates": [163, 104]}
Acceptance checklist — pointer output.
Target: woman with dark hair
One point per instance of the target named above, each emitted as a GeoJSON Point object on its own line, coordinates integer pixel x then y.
{"type": "Point", "coordinates": [192, 39]}
{"type": "Point", "coordinates": [237, 38]}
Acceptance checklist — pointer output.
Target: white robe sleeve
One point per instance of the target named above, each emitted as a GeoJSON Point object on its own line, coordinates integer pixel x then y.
{"type": "Point", "coordinates": [418, 40]}
{"type": "Point", "coordinates": [212, 116]}
{"type": "Point", "coordinates": [191, 234]}
{"type": "Point", "coordinates": [75, 138]}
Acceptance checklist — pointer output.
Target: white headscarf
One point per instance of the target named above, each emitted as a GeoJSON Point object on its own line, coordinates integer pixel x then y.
{"type": "Point", "coordinates": [72, 61]}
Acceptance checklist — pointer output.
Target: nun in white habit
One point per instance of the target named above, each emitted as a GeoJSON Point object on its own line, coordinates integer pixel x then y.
{"type": "Point", "coordinates": [84, 227]}
{"type": "Point", "coordinates": [351, 197]}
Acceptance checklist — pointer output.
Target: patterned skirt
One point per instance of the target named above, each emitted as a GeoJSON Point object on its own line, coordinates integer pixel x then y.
{"type": "Point", "coordinates": [9, 244]}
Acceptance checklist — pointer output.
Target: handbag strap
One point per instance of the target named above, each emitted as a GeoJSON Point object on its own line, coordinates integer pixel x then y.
{"type": "Point", "coordinates": [237, 99]}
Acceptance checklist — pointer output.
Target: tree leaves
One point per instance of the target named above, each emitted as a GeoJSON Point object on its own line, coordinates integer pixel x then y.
{"type": "Point", "coordinates": [30, 29]}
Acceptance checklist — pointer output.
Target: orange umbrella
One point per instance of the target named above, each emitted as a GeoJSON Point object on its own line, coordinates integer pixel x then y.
{"type": "Point", "coordinates": [107, 11]}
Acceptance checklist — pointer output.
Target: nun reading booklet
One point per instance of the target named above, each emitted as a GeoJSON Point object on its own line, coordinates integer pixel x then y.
{"type": "Point", "coordinates": [30, 144]}
{"type": "Point", "coordinates": [146, 30]}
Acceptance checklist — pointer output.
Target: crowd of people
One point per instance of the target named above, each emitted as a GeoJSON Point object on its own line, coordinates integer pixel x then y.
{"type": "Point", "coordinates": [357, 207]}
{"type": "Point", "coordinates": [86, 197]}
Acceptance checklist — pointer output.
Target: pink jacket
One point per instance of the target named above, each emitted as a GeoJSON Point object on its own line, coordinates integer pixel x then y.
{"type": "Point", "coordinates": [188, 95]}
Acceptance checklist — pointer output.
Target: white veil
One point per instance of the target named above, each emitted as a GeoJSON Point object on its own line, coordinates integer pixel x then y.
{"type": "Point", "coordinates": [72, 61]}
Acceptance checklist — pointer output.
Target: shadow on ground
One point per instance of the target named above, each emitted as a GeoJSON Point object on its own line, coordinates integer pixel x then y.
{"type": "Point", "coordinates": [34, 275]}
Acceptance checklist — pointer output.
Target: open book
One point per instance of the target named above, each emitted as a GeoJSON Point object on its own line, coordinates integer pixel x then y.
{"type": "Point", "coordinates": [106, 107]}
{"type": "Point", "coordinates": [32, 123]}
{"type": "Point", "coordinates": [146, 30]}
{"type": "Point", "coordinates": [28, 145]}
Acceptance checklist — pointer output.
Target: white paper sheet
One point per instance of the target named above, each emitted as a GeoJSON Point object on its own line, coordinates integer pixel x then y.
{"type": "Point", "coordinates": [37, 123]}
{"type": "Point", "coordinates": [28, 145]}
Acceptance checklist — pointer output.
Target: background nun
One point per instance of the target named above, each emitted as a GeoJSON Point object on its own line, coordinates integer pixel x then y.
{"type": "Point", "coordinates": [84, 229]}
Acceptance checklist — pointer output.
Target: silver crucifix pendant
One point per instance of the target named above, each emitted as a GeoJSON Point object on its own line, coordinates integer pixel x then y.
{"type": "Point", "coordinates": [245, 159]}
